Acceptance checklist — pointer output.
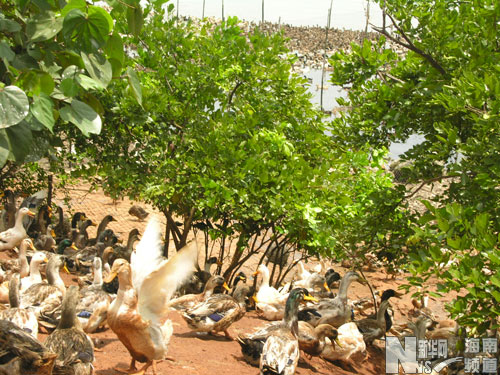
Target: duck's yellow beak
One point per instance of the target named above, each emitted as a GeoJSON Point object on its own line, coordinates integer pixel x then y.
{"type": "Point", "coordinates": [31, 213]}
{"type": "Point", "coordinates": [325, 285]}
{"type": "Point", "coordinates": [254, 298]}
{"type": "Point", "coordinates": [111, 276]}
{"type": "Point", "coordinates": [52, 233]}
{"type": "Point", "coordinates": [45, 260]}
{"type": "Point", "coordinates": [94, 224]}
{"type": "Point", "coordinates": [225, 286]}
{"type": "Point", "coordinates": [310, 298]}
{"type": "Point", "coordinates": [73, 246]}
{"type": "Point", "coordinates": [255, 273]}
{"type": "Point", "coordinates": [65, 269]}
{"type": "Point", "coordinates": [31, 246]}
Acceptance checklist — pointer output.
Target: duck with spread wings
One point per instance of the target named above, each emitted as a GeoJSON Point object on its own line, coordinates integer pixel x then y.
{"type": "Point", "coordinates": [138, 314]}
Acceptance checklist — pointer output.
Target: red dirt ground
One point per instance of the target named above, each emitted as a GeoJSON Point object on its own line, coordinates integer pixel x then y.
{"type": "Point", "coordinates": [200, 354]}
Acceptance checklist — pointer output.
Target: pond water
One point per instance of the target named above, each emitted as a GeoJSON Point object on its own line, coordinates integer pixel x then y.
{"type": "Point", "coordinates": [330, 93]}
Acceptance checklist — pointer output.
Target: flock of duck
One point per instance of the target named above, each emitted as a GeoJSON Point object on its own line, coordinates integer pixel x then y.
{"type": "Point", "coordinates": [133, 290]}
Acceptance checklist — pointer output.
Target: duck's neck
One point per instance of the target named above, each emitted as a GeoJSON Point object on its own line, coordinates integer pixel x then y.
{"type": "Point", "coordinates": [14, 292]}
{"type": "Point", "coordinates": [265, 276]}
{"type": "Point", "coordinates": [207, 268]}
{"type": "Point", "coordinates": [420, 330]}
{"type": "Point", "coordinates": [130, 242]}
{"type": "Point", "coordinates": [61, 247]}
{"type": "Point", "coordinates": [126, 290]}
{"type": "Point", "coordinates": [290, 319]}
{"type": "Point", "coordinates": [381, 313]}
{"type": "Point", "coordinates": [103, 224]}
{"type": "Point", "coordinates": [97, 275]}
{"type": "Point", "coordinates": [68, 313]}
{"type": "Point", "coordinates": [83, 230]}
{"type": "Point", "coordinates": [344, 285]}
{"type": "Point", "coordinates": [35, 272]}
{"type": "Point", "coordinates": [54, 278]}
{"type": "Point", "coordinates": [208, 290]}
{"type": "Point", "coordinates": [19, 221]}
{"type": "Point", "coordinates": [24, 267]}
{"type": "Point", "coordinates": [302, 269]}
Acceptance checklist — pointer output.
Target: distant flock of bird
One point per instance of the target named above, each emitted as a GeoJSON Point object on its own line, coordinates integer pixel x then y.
{"type": "Point", "coordinates": [131, 289]}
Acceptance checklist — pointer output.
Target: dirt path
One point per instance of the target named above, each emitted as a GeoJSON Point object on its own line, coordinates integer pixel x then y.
{"type": "Point", "coordinates": [201, 354]}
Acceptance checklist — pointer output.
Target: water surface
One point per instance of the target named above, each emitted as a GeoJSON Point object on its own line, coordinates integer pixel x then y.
{"type": "Point", "coordinates": [346, 14]}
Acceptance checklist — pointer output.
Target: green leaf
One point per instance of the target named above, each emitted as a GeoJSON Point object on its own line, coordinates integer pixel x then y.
{"type": "Point", "coordinates": [42, 110]}
{"type": "Point", "coordinates": [9, 26]}
{"type": "Point", "coordinates": [88, 83]}
{"type": "Point", "coordinates": [116, 67]}
{"type": "Point", "coordinates": [74, 4]}
{"type": "Point", "coordinates": [135, 84]}
{"type": "Point", "coordinates": [69, 87]}
{"type": "Point", "coordinates": [20, 139]}
{"type": "Point", "coordinates": [83, 116]}
{"type": "Point", "coordinates": [495, 258]}
{"type": "Point", "coordinates": [495, 280]}
{"type": "Point", "coordinates": [87, 32]}
{"type": "Point", "coordinates": [98, 67]}
{"type": "Point", "coordinates": [496, 295]}
{"type": "Point", "coordinates": [6, 52]}
{"type": "Point", "coordinates": [135, 19]}
{"type": "Point", "coordinates": [4, 147]}
{"type": "Point", "coordinates": [44, 26]}
{"type": "Point", "coordinates": [114, 48]}
{"type": "Point", "coordinates": [14, 106]}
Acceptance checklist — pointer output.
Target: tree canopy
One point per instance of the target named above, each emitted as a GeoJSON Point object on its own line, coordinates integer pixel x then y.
{"type": "Point", "coordinates": [227, 137]}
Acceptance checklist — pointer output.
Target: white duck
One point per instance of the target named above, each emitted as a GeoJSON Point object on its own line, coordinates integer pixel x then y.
{"type": "Point", "coordinates": [138, 314]}
{"type": "Point", "coordinates": [302, 273]}
{"type": "Point", "coordinates": [92, 308]}
{"type": "Point", "coordinates": [34, 277]}
{"type": "Point", "coordinates": [12, 237]}
{"type": "Point", "coordinates": [350, 344]}
{"type": "Point", "coordinates": [268, 300]}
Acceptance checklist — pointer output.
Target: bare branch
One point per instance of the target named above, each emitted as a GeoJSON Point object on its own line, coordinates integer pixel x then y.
{"type": "Point", "coordinates": [233, 91]}
{"type": "Point", "coordinates": [409, 45]}
{"type": "Point", "coordinates": [439, 178]}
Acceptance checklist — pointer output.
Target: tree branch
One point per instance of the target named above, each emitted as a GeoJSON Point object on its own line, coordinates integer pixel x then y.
{"type": "Point", "coordinates": [439, 178]}
{"type": "Point", "coordinates": [233, 91]}
{"type": "Point", "coordinates": [409, 45]}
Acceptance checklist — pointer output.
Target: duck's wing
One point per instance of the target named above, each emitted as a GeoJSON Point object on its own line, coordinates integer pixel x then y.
{"type": "Point", "coordinates": [8, 235]}
{"type": "Point", "coordinates": [280, 351]}
{"type": "Point", "coordinates": [159, 286]}
{"type": "Point", "coordinates": [217, 303]}
{"type": "Point", "coordinates": [148, 254]}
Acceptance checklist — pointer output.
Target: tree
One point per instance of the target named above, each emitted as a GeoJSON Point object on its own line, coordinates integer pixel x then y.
{"type": "Point", "coordinates": [228, 141]}
{"type": "Point", "coordinates": [443, 85]}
